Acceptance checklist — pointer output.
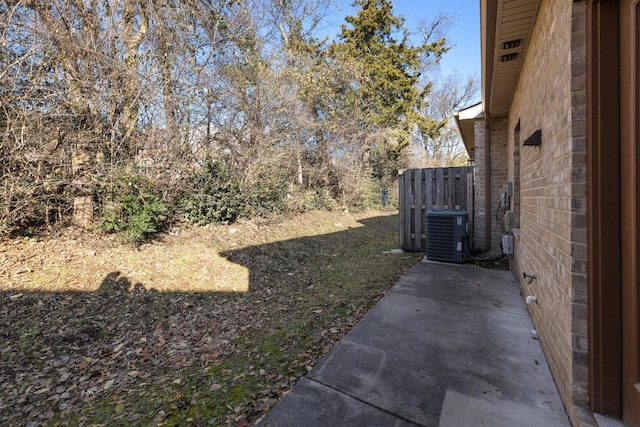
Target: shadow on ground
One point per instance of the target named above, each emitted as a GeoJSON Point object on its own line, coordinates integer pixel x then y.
{"type": "Point", "coordinates": [129, 355]}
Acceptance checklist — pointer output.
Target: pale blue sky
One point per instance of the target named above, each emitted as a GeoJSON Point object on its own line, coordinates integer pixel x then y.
{"type": "Point", "coordinates": [463, 35]}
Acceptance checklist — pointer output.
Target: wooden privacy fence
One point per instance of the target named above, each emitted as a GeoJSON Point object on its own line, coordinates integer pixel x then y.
{"type": "Point", "coordinates": [421, 190]}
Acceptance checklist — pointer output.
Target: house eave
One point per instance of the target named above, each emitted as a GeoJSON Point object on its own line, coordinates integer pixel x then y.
{"type": "Point", "coordinates": [465, 120]}
{"type": "Point", "coordinates": [506, 27]}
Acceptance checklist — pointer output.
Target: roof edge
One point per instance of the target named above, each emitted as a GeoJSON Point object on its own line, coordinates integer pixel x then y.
{"type": "Point", "coordinates": [465, 120]}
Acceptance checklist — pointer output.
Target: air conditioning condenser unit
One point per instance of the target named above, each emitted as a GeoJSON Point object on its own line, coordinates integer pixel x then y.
{"type": "Point", "coordinates": [446, 231]}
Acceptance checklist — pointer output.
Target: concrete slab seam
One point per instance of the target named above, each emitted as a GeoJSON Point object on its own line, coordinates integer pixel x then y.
{"type": "Point", "coordinates": [366, 403]}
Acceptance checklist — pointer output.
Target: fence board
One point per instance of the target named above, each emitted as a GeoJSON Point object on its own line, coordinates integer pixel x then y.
{"type": "Point", "coordinates": [429, 189]}
{"type": "Point", "coordinates": [451, 180]}
{"type": "Point", "coordinates": [401, 202]}
{"type": "Point", "coordinates": [421, 190]}
{"type": "Point", "coordinates": [417, 210]}
{"type": "Point", "coordinates": [405, 185]}
{"type": "Point", "coordinates": [439, 188]}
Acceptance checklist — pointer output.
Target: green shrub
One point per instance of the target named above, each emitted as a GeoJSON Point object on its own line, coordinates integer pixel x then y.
{"type": "Point", "coordinates": [216, 196]}
{"type": "Point", "coordinates": [314, 199]}
{"type": "Point", "coordinates": [364, 196]}
{"type": "Point", "coordinates": [132, 208]}
{"type": "Point", "coordinates": [268, 195]}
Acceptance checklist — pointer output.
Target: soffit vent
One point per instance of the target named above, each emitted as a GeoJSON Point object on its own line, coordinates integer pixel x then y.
{"type": "Point", "coordinates": [509, 57]}
{"type": "Point", "coordinates": [511, 44]}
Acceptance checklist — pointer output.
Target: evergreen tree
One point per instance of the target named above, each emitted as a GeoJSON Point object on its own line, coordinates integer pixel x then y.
{"type": "Point", "coordinates": [389, 94]}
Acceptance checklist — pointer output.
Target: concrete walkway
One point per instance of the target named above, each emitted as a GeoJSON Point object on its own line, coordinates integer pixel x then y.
{"type": "Point", "coordinates": [449, 345]}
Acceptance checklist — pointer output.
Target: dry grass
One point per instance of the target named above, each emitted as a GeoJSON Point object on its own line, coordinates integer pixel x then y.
{"type": "Point", "coordinates": [205, 326]}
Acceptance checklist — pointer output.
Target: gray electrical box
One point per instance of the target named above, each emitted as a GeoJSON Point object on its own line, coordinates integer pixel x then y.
{"type": "Point", "coordinates": [508, 222]}
{"type": "Point", "coordinates": [507, 244]}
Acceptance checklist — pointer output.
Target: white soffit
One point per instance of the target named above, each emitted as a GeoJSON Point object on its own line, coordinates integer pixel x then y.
{"type": "Point", "coordinates": [465, 119]}
{"type": "Point", "coordinates": [514, 23]}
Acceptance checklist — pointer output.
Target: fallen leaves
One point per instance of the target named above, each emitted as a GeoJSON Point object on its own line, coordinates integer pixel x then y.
{"type": "Point", "coordinates": [129, 355]}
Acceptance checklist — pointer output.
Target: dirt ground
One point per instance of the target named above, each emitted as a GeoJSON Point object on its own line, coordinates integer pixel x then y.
{"type": "Point", "coordinates": [202, 326]}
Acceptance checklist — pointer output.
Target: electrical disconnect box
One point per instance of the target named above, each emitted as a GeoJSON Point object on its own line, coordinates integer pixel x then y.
{"type": "Point", "coordinates": [507, 244]}
{"type": "Point", "coordinates": [508, 222]}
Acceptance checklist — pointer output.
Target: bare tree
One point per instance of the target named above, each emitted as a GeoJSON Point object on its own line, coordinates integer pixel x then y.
{"type": "Point", "coordinates": [448, 95]}
{"type": "Point", "coordinates": [77, 82]}
{"type": "Point", "coordinates": [92, 90]}
{"type": "Point", "coordinates": [91, 77]}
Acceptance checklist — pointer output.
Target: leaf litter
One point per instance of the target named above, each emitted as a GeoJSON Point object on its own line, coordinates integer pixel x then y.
{"type": "Point", "coordinates": [95, 332]}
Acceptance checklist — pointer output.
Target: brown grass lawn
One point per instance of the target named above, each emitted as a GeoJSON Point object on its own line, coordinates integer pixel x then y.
{"type": "Point", "coordinates": [203, 326]}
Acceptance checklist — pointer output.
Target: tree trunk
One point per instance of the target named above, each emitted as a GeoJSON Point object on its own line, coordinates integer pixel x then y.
{"type": "Point", "coordinates": [133, 37]}
{"type": "Point", "coordinates": [164, 57]}
{"type": "Point", "coordinates": [83, 202]}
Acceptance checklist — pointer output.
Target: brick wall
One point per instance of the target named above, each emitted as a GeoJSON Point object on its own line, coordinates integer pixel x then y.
{"type": "Point", "coordinates": [479, 199]}
{"type": "Point", "coordinates": [551, 240]}
{"type": "Point", "coordinates": [499, 178]}
{"type": "Point", "coordinates": [496, 133]}
{"type": "Point", "coordinates": [578, 205]}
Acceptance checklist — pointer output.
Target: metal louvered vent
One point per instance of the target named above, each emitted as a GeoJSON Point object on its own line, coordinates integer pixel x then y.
{"type": "Point", "coordinates": [445, 232]}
